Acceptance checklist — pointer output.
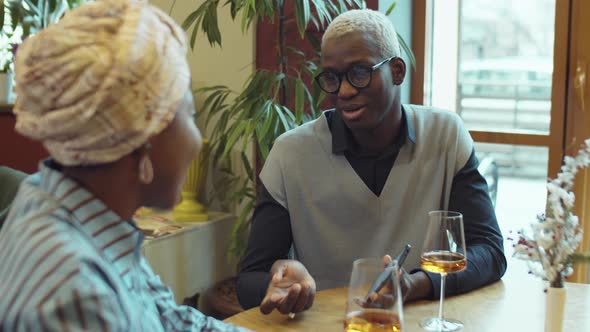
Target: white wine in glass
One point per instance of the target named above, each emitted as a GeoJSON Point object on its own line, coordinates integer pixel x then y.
{"type": "Point", "coordinates": [443, 252]}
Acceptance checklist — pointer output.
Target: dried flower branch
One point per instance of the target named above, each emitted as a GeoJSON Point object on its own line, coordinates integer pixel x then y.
{"type": "Point", "coordinates": [551, 243]}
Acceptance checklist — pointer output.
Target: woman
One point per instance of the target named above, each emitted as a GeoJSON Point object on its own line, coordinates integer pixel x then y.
{"type": "Point", "coordinates": [106, 90]}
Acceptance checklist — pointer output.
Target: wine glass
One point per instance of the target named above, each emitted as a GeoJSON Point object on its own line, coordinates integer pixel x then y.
{"type": "Point", "coordinates": [379, 312]}
{"type": "Point", "coordinates": [443, 252]}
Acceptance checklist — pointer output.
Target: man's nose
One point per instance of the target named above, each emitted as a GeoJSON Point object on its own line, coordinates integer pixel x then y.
{"type": "Point", "coordinates": [346, 90]}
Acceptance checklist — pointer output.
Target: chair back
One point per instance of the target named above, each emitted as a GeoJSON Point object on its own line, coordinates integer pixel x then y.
{"type": "Point", "coordinates": [10, 180]}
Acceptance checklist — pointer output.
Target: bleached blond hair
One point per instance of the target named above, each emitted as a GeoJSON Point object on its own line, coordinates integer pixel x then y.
{"type": "Point", "coordinates": [368, 21]}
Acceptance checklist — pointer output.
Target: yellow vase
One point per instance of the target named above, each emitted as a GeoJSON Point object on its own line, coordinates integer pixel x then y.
{"type": "Point", "coordinates": [190, 209]}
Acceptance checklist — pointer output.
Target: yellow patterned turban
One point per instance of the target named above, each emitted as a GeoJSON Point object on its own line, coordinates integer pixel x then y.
{"type": "Point", "coordinates": [95, 86]}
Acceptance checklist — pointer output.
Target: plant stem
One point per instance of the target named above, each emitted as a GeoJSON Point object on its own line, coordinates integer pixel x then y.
{"type": "Point", "coordinates": [282, 55]}
{"type": "Point", "coordinates": [172, 7]}
{"type": "Point", "coordinates": [558, 282]}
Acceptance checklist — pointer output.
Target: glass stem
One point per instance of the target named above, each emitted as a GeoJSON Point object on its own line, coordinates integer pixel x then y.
{"type": "Point", "coordinates": [442, 297]}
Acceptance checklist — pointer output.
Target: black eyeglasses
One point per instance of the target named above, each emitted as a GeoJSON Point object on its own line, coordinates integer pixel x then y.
{"type": "Point", "coordinates": [358, 76]}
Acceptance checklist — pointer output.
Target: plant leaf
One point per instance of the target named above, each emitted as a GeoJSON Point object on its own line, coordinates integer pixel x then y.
{"type": "Point", "coordinates": [51, 5]}
{"type": "Point", "coordinates": [264, 151]}
{"type": "Point", "coordinates": [299, 100]}
{"type": "Point", "coordinates": [323, 15]}
{"type": "Point", "coordinates": [268, 121]}
{"type": "Point", "coordinates": [238, 242]}
{"type": "Point", "coordinates": [197, 18]}
{"type": "Point", "coordinates": [407, 50]}
{"type": "Point", "coordinates": [192, 17]}
{"type": "Point", "coordinates": [33, 8]}
{"type": "Point", "coordinates": [14, 14]}
{"type": "Point", "coordinates": [2, 15]}
{"type": "Point", "coordinates": [246, 164]}
{"type": "Point", "coordinates": [279, 110]}
{"type": "Point", "coordinates": [247, 136]}
{"type": "Point", "coordinates": [303, 13]}
{"type": "Point", "coordinates": [391, 8]}
{"type": "Point", "coordinates": [314, 41]}
{"type": "Point", "coordinates": [210, 25]}
{"type": "Point", "coordinates": [233, 137]}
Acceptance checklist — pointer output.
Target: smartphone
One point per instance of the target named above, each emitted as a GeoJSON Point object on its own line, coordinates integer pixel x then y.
{"type": "Point", "coordinates": [385, 276]}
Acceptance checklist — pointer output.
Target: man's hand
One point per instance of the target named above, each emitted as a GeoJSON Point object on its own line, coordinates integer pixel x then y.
{"type": "Point", "coordinates": [415, 286]}
{"type": "Point", "coordinates": [291, 289]}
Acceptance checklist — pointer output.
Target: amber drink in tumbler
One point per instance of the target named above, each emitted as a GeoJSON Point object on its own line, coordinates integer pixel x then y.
{"type": "Point", "coordinates": [384, 311]}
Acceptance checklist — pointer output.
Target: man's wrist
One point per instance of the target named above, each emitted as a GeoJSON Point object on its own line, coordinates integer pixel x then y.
{"type": "Point", "coordinates": [421, 286]}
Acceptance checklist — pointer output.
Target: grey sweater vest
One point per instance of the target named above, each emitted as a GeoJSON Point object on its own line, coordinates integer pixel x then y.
{"type": "Point", "coordinates": [336, 219]}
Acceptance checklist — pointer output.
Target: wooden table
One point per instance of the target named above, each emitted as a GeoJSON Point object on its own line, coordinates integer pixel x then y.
{"type": "Point", "coordinates": [516, 303]}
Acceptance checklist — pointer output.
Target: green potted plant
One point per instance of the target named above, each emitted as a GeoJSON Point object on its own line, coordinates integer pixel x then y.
{"type": "Point", "coordinates": [19, 19]}
{"type": "Point", "coordinates": [34, 15]}
{"type": "Point", "coordinates": [5, 62]}
{"type": "Point", "coordinates": [6, 56]}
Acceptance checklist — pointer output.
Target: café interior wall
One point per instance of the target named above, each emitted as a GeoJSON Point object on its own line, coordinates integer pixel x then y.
{"type": "Point", "coordinates": [213, 65]}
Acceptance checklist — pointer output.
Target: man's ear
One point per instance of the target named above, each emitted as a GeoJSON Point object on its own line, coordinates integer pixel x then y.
{"type": "Point", "coordinates": [398, 70]}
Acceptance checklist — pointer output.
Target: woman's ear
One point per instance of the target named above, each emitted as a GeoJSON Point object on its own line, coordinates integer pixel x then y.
{"type": "Point", "coordinates": [398, 70]}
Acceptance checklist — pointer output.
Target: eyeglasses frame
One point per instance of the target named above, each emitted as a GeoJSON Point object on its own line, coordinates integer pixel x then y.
{"type": "Point", "coordinates": [340, 75]}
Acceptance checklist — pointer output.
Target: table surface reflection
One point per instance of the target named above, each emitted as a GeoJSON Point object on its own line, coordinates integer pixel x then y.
{"type": "Point", "coordinates": [516, 303]}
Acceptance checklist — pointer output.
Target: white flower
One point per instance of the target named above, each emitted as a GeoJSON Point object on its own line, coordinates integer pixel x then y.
{"type": "Point", "coordinates": [566, 178]}
{"type": "Point", "coordinates": [570, 163]}
{"type": "Point", "coordinates": [545, 241]}
{"type": "Point", "coordinates": [555, 237]}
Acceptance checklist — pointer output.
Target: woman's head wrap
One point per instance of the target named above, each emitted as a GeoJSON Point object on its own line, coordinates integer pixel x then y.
{"type": "Point", "coordinates": [96, 85]}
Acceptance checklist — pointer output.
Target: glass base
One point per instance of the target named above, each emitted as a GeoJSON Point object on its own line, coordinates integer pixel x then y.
{"type": "Point", "coordinates": [436, 325]}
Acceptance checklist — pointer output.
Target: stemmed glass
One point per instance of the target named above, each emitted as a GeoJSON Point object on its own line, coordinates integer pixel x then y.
{"type": "Point", "coordinates": [379, 312]}
{"type": "Point", "coordinates": [443, 252]}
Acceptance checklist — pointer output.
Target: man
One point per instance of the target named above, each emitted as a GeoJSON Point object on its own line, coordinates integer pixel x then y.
{"type": "Point", "coordinates": [360, 180]}
{"type": "Point", "coordinates": [107, 91]}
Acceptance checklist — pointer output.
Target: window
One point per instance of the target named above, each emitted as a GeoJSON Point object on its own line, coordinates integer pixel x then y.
{"type": "Point", "coordinates": [492, 62]}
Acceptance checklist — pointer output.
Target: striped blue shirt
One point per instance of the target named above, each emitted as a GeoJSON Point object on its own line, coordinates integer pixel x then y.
{"type": "Point", "coordinates": [69, 263]}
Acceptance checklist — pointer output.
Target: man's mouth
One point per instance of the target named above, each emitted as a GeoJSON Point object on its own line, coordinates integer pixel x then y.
{"type": "Point", "coordinates": [350, 108]}
{"type": "Point", "coordinates": [352, 112]}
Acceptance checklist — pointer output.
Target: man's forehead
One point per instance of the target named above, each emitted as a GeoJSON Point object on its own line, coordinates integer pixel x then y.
{"type": "Point", "coordinates": [352, 48]}
{"type": "Point", "coordinates": [351, 40]}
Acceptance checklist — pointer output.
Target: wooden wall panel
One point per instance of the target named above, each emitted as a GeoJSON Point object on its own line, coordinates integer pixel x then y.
{"type": "Point", "coordinates": [17, 151]}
